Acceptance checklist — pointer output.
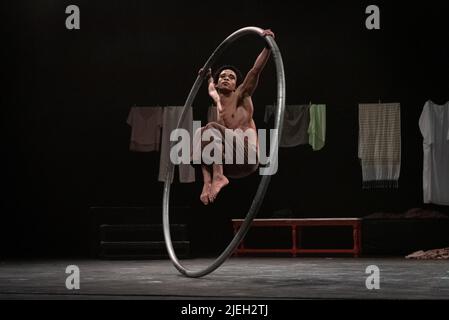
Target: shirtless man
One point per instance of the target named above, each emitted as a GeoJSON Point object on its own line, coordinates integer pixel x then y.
{"type": "Point", "coordinates": [234, 111]}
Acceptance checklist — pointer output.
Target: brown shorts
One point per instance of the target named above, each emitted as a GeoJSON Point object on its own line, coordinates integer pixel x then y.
{"type": "Point", "coordinates": [233, 142]}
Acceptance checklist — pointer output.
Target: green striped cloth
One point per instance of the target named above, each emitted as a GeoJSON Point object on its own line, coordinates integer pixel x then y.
{"type": "Point", "coordinates": [317, 126]}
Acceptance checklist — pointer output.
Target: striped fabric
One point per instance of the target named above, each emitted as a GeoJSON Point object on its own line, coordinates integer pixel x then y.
{"type": "Point", "coordinates": [380, 144]}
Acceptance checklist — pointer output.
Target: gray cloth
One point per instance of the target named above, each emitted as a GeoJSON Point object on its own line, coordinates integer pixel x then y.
{"type": "Point", "coordinates": [171, 116]}
{"type": "Point", "coordinates": [145, 125]}
{"type": "Point", "coordinates": [296, 124]}
{"type": "Point", "coordinates": [380, 144]}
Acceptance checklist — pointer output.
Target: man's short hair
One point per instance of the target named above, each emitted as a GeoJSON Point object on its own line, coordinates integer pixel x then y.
{"type": "Point", "coordinates": [239, 79]}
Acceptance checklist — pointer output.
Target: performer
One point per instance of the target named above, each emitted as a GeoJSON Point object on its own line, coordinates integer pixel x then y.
{"type": "Point", "coordinates": [235, 109]}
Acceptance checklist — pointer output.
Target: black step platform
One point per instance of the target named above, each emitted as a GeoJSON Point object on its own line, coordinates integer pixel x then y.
{"type": "Point", "coordinates": [141, 249]}
{"type": "Point", "coordinates": [138, 232]}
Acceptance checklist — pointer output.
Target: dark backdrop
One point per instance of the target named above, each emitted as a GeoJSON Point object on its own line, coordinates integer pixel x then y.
{"type": "Point", "coordinates": [67, 94]}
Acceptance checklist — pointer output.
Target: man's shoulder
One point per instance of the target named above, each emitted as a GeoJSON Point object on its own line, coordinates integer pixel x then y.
{"type": "Point", "coordinates": [242, 94]}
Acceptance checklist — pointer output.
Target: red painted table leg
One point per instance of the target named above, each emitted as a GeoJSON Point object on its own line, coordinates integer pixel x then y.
{"type": "Point", "coordinates": [294, 248]}
{"type": "Point", "coordinates": [356, 236]}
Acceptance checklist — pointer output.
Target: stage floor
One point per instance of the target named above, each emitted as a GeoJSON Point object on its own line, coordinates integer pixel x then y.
{"type": "Point", "coordinates": [239, 278]}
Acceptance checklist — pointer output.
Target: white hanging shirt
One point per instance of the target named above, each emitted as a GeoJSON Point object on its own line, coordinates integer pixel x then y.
{"type": "Point", "coordinates": [434, 126]}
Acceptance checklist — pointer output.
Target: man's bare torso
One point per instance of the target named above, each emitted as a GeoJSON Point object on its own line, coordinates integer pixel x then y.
{"type": "Point", "coordinates": [237, 113]}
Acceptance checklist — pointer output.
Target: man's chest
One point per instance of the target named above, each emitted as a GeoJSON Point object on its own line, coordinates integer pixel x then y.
{"type": "Point", "coordinates": [234, 113]}
{"type": "Point", "coordinates": [234, 117]}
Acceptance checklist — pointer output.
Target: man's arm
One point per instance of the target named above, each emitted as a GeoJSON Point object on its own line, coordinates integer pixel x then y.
{"type": "Point", "coordinates": [249, 84]}
{"type": "Point", "coordinates": [213, 93]}
{"type": "Point", "coordinates": [207, 74]}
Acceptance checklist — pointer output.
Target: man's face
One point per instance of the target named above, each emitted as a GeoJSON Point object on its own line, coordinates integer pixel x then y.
{"type": "Point", "coordinates": [227, 80]}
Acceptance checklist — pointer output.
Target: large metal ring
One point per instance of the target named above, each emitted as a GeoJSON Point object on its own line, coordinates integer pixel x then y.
{"type": "Point", "coordinates": [263, 185]}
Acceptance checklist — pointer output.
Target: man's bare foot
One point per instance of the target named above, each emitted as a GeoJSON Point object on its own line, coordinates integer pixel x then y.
{"type": "Point", "coordinates": [204, 197]}
{"type": "Point", "coordinates": [218, 182]}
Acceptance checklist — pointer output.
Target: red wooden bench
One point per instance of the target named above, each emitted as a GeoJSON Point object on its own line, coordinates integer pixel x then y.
{"type": "Point", "coordinates": [296, 225]}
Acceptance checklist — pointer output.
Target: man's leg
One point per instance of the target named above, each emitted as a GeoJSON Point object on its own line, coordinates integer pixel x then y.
{"type": "Point", "coordinates": [218, 181]}
{"type": "Point", "coordinates": [204, 197]}
{"type": "Point", "coordinates": [215, 180]}
{"type": "Point", "coordinates": [206, 170]}
{"type": "Point", "coordinates": [218, 178]}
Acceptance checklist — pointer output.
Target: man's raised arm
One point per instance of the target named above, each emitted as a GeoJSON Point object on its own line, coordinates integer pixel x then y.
{"type": "Point", "coordinates": [249, 84]}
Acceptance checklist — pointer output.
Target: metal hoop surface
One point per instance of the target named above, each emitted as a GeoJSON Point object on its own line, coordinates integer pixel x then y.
{"type": "Point", "coordinates": [263, 185]}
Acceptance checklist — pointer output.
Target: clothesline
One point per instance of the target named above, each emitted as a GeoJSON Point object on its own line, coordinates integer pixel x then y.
{"type": "Point", "coordinates": [379, 140]}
